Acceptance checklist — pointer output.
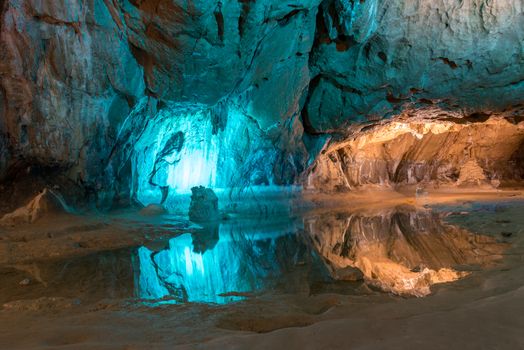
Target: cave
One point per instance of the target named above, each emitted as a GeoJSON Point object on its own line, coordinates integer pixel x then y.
{"type": "Point", "coordinates": [321, 174]}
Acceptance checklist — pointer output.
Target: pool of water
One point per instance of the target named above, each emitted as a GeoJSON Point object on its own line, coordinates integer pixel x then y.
{"type": "Point", "coordinates": [400, 250]}
{"type": "Point", "coordinates": [229, 262]}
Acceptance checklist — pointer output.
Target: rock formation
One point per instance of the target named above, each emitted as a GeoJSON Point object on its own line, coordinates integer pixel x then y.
{"type": "Point", "coordinates": [152, 210]}
{"type": "Point", "coordinates": [410, 150]}
{"type": "Point", "coordinates": [373, 57]}
{"type": "Point", "coordinates": [204, 205]}
{"type": "Point", "coordinates": [47, 203]}
{"type": "Point", "coordinates": [98, 91]}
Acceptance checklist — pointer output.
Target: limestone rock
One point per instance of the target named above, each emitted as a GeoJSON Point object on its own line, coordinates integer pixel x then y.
{"type": "Point", "coordinates": [373, 57]}
{"type": "Point", "coordinates": [348, 273]}
{"type": "Point", "coordinates": [44, 204]}
{"type": "Point", "coordinates": [72, 74]}
{"type": "Point", "coordinates": [81, 84]}
{"type": "Point", "coordinates": [153, 210]}
{"type": "Point", "coordinates": [471, 174]}
{"type": "Point", "coordinates": [204, 205]}
{"type": "Point", "coordinates": [422, 150]}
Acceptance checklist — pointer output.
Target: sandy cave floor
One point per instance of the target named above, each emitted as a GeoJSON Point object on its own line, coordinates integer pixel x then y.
{"type": "Point", "coordinates": [67, 283]}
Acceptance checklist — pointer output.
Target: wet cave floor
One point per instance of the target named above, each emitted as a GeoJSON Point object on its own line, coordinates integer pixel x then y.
{"type": "Point", "coordinates": [370, 270]}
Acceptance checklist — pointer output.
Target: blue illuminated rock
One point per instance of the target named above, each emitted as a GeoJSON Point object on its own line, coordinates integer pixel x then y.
{"type": "Point", "coordinates": [150, 97]}
{"type": "Point", "coordinates": [373, 57]}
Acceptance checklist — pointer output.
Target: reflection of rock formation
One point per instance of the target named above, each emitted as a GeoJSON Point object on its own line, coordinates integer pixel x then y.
{"type": "Point", "coordinates": [402, 250]}
{"type": "Point", "coordinates": [207, 238]}
{"type": "Point", "coordinates": [245, 259]}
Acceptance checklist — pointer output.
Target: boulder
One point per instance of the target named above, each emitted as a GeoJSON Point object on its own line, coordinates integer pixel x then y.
{"type": "Point", "coordinates": [153, 210]}
{"type": "Point", "coordinates": [204, 205]}
{"type": "Point", "coordinates": [471, 174]}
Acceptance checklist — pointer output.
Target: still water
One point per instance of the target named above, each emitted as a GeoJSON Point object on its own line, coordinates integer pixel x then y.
{"type": "Point", "coordinates": [228, 261]}
{"type": "Point", "coordinates": [400, 250]}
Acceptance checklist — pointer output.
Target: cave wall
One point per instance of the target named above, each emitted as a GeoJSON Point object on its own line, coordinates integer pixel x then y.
{"type": "Point", "coordinates": [373, 57]}
{"type": "Point", "coordinates": [81, 82]}
{"type": "Point", "coordinates": [419, 148]}
{"type": "Point", "coordinates": [69, 79]}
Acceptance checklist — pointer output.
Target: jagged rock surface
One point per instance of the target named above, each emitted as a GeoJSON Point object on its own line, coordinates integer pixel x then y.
{"type": "Point", "coordinates": [72, 75]}
{"type": "Point", "coordinates": [204, 205]}
{"type": "Point", "coordinates": [372, 57]}
{"type": "Point", "coordinates": [45, 204]}
{"type": "Point", "coordinates": [81, 83]}
{"type": "Point", "coordinates": [412, 150]}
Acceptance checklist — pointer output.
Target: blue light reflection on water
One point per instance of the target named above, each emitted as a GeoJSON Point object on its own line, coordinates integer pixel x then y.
{"type": "Point", "coordinates": [234, 264]}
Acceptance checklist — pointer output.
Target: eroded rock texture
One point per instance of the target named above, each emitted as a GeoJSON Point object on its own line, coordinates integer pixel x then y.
{"type": "Point", "coordinates": [68, 80]}
{"type": "Point", "coordinates": [447, 150]}
{"type": "Point", "coordinates": [46, 203]}
{"type": "Point", "coordinates": [256, 82]}
{"type": "Point", "coordinates": [374, 56]}
{"type": "Point", "coordinates": [80, 83]}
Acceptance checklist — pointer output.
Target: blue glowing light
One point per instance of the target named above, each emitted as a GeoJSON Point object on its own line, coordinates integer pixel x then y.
{"type": "Point", "coordinates": [177, 151]}
{"type": "Point", "coordinates": [237, 263]}
{"type": "Point", "coordinates": [181, 148]}
{"type": "Point", "coordinates": [199, 277]}
{"type": "Point", "coordinates": [150, 286]}
{"type": "Point", "coordinates": [197, 166]}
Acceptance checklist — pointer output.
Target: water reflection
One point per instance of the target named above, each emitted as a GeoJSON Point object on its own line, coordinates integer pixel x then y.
{"type": "Point", "coordinates": [400, 250]}
{"type": "Point", "coordinates": [225, 262]}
